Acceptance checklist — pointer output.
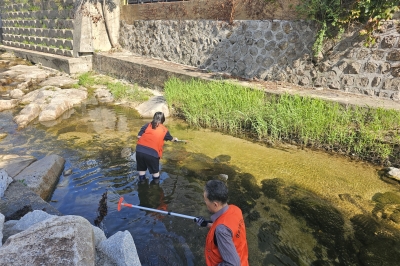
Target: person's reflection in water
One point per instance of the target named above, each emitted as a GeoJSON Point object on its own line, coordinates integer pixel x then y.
{"type": "Point", "coordinates": [151, 195]}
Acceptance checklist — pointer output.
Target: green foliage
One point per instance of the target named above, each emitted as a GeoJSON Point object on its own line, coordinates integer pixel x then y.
{"type": "Point", "coordinates": [86, 79]}
{"type": "Point", "coordinates": [118, 89]}
{"type": "Point", "coordinates": [365, 132]}
{"type": "Point", "coordinates": [127, 91]}
{"type": "Point", "coordinates": [333, 15]}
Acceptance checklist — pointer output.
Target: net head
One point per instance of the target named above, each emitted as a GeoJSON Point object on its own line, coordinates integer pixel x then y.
{"type": "Point", "coordinates": [121, 199]}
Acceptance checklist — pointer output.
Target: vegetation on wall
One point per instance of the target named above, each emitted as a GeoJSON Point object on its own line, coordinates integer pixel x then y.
{"type": "Point", "coordinates": [367, 133]}
{"type": "Point", "coordinates": [334, 16]}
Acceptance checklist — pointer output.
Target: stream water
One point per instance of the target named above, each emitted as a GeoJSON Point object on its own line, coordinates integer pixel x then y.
{"type": "Point", "coordinates": [301, 207]}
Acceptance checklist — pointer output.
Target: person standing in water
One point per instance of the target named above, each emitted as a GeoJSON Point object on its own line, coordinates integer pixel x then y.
{"type": "Point", "coordinates": [226, 242]}
{"type": "Point", "coordinates": [149, 147]}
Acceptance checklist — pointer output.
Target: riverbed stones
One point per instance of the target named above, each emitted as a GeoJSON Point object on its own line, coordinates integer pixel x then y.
{"type": "Point", "coordinates": [59, 81]}
{"type": "Point", "coordinates": [8, 104]}
{"type": "Point", "coordinates": [48, 103]}
{"type": "Point", "coordinates": [42, 175]}
{"type": "Point", "coordinates": [54, 241]}
{"type": "Point", "coordinates": [27, 75]}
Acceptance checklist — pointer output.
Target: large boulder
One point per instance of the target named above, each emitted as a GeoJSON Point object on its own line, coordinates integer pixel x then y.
{"type": "Point", "coordinates": [48, 103]}
{"type": "Point", "coordinates": [30, 219]}
{"type": "Point", "coordinates": [60, 240]}
{"type": "Point", "coordinates": [13, 164]}
{"type": "Point", "coordinates": [27, 114]}
{"type": "Point", "coordinates": [119, 249]}
{"type": "Point", "coordinates": [59, 81]}
{"type": "Point", "coordinates": [19, 200]}
{"type": "Point", "coordinates": [154, 104]}
{"type": "Point", "coordinates": [28, 75]}
{"type": "Point", "coordinates": [42, 176]}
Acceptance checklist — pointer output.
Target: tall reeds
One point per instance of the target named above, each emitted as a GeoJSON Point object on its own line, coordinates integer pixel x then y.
{"type": "Point", "coordinates": [365, 132]}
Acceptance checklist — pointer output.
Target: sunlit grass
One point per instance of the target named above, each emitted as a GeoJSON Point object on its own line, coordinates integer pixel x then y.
{"type": "Point", "coordinates": [365, 132]}
{"type": "Point", "coordinates": [118, 89]}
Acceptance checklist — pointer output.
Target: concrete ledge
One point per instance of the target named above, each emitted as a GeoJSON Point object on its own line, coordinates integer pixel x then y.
{"type": "Point", "coordinates": [147, 72]}
{"type": "Point", "coordinates": [61, 63]}
{"type": "Point", "coordinates": [153, 73]}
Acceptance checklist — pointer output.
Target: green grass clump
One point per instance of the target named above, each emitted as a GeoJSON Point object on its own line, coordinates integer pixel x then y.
{"type": "Point", "coordinates": [118, 89]}
{"type": "Point", "coordinates": [87, 79]}
{"type": "Point", "coordinates": [128, 91]}
{"type": "Point", "coordinates": [365, 132]}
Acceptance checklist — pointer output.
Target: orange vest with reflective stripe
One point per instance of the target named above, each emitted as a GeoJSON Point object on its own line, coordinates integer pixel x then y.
{"type": "Point", "coordinates": [233, 219]}
{"type": "Point", "coordinates": [154, 138]}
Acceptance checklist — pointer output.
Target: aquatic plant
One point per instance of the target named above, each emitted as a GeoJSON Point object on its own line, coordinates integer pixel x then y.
{"type": "Point", "coordinates": [358, 131]}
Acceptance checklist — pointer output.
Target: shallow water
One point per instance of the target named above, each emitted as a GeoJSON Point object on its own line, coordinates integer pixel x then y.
{"type": "Point", "coordinates": [301, 207]}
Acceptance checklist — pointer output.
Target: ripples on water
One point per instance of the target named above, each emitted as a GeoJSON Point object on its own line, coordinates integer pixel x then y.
{"type": "Point", "coordinates": [301, 207]}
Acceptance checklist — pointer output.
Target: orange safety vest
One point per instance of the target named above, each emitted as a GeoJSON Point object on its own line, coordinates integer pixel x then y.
{"type": "Point", "coordinates": [154, 138]}
{"type": "Point", "coordinates": [233, 219]}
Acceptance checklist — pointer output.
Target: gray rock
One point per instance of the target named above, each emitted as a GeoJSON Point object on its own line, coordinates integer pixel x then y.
{"type": "Point", "coordinates": [1, 228]}
{"type": "Point", "coordinates": [5, 180]}
{"type": "Point", "coordinates": [30, 219]}
{"type": "Point", "coordinates": [59, 81]}
{"type": "Point", "coordinates": [8, 231]}
{"type": "Point", "coordinates": [14, 164]}
{"type": "Point", "coordinates": [119, 249]}
{"type": "Point", "coordinates": [26, 115]}
{"type": "Point", "coordinates": [154, 104]}
{"type": "Point", "coordinates": [48, 103]}
{"type": "Point", "coordinates": [42, 175]}
{"type": "Point", "coordinates": [99, 235]}
{"type": "Point", "coordinates": [19, 199]}
{"type": "Point", "coordinates": [103, 95]}
{"type": "Point", "coordinates": [60, 240]}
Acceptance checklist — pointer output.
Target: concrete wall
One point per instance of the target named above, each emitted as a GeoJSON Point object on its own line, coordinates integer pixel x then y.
{"type": "Point", "coordinates": [43, 26]}
{"type": "Point", "coordinates": [275, 50]}
{"type": "Point", "coordinates": [61, 27]}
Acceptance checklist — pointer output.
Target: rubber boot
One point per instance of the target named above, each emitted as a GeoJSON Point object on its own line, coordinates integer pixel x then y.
{"type": "Point", "coordinates": [156, 179]}
{"type": "Point", "coordinates": [142, 178]}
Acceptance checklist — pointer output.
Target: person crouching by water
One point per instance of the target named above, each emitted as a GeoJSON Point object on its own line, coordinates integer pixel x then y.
{"type": "Point", "coordinates": [226, 242]}
{"type": "Point", "coordinates": [149, 147]}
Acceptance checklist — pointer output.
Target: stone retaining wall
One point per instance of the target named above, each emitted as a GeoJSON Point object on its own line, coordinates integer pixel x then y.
{"type": "Point", "coordinates": [43, 26]}
{"type": "Point", "coordinates": [278, 50]}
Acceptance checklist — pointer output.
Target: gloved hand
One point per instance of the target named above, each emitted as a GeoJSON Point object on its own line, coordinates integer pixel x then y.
{"type": "Point", "coordinates": [201, 221]}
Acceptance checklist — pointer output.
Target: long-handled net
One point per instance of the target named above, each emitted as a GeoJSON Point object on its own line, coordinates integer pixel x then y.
{"type": "Point", "coordinates": [115, 197]}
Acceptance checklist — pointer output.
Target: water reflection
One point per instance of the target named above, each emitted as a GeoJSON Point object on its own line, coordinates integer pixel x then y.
{"type": "Point", "coordinates": [300, 207]}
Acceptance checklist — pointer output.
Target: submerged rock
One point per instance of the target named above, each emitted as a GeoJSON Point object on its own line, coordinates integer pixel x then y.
{"type": "Point", "coordinates": [394, 173]}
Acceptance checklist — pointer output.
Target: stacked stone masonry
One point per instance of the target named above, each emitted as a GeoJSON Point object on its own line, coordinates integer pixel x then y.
{"type": "Point", "coordinates": [275, 50]}
{"type": "Point", "coordinates": [43, 26]}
